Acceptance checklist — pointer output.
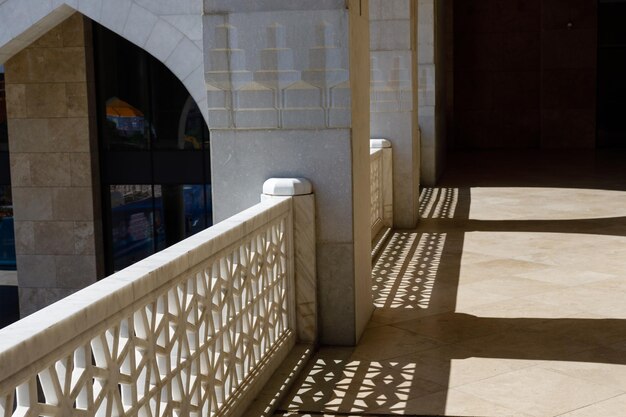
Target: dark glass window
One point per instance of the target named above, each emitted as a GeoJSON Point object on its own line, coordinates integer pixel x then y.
{"type": "Point", "coordinates": [154, 153]}
{"type": "Point", "coordinates": [4, 134]}
{"type": "Point", "coordinates": [7, 237]}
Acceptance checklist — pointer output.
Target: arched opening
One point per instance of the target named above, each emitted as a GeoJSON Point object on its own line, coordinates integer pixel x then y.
{"type": "Point", "coordinates": [154, 153]}
{"type": "Point", "coordinates": [9, 309]}
{"type": "Point", "coordinates": [109, 149]}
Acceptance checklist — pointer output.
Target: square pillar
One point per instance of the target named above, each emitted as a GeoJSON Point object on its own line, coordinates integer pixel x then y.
{"type": "Point", "coordinates": [51, 156]}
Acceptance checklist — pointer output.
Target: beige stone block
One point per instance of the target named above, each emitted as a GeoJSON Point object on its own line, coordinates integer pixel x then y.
{"type": "Point", "coordinates": [16, 101]}
{"type": "Point", "coordinates": [32, 203]}
{"type": "Point", "coordinates": [24, 237]}
{"type": "Point", "coordinates": [54, 238]}
{"type": "Point", "coordinates": [46, 100]}
{"type": "Point", "coordinates": [75, 203]}
{"type": "Point", "coordinates": [84, 238]}
{"type": "Point", "coordinates": [73, 30]}
{"type": "Point", "coordinates": [69, 63]}
{"type": "Point", "coordinates": [20, 170]}
{"type": "Point", "coordinates": [305, 267]}
{"type": "Point", "coordinates": [69, 134]}
{"type": "Point", "coordinates": [80, 169]}
{"type": "Point", "coordinates": [50, 65]}
{"type": "Point", "coordinates": [77, 99]}
{"type": "Point", "coordinates": [16, 68]}
{"type": "Point", "coordinates": [33, 299]}
{"type": "Point", "coordinates": [36, 271]}
{"type": "Point", "coordinates": [29, 135]}
{"type": "Point", "coordinates": [51, 169]}
{"type": "Point", "coordinates": [52, 39]}
{"type": "Point", "coordinates": [75, 271]}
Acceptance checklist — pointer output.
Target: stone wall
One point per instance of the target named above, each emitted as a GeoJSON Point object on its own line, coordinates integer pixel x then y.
{"type": "Point", "coordinates": [394, 99]}
{"type": "Point", "coordinates": [51, 166]}
{"type": "Point", "coordinates": [280, 105]}
{"type": "Point", "coordinates": [431, 58]}
{"type": "Point", "coordinates": [525, 74]}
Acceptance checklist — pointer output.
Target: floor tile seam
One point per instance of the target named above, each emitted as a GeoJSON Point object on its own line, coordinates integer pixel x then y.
{"type": "Point", "coordinates": [357, 414]}
{"type": "Point", "coordinates": [495, 402]}
{"type": "Point", "coordinates": [465, 393]}
{"type": "Point", "coordinates": [589, 405]}
{"type": "Point", "coordinates": [419, 318]}
{"type": "Point", "coordinates": [458, 342]}
{"type": "Point", "coordinates": [588, 381]}
{"type": "Point", "coordinates": [372, 412]}
{"type": "Point", "coordinates": [430, 338]}
{"type": "Point", "coordinates": [455, 387]}
{"type": "Point", "coordinates": [378, 413]}
{"type": "Point", "coordinates": [523, 410]}
{"type": "Point", "coordinates": [404, 263]}
{"type": "Point", "coordinates": [522, 328]}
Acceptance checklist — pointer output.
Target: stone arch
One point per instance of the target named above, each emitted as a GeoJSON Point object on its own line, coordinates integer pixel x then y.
{"type": "Point", "coordinates": [173, 39]}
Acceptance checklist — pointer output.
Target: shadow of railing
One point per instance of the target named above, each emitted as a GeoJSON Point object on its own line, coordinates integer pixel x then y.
{"type": "Point", "coordinates": [416, 279]}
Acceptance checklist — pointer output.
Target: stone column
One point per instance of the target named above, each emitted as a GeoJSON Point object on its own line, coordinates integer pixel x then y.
{"type": "Point", "coordinates": [51, 166]}
{"type": "Point", "coordinates": [431, 58]}
{"type": "Point", "coordinates": [285, 99]}
{"type": "Point", "coordinates": [394, 99]}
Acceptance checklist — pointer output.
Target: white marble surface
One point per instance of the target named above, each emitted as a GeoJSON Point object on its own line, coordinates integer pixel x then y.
{"type": "Point", "coordinates": [203, 271]}
{"type": "Point", "coordinates": [150, 24]}
{"type": "Point", "coordinates": [393, 105]}
{"type": "Point", "coordinates": [279, 69]}
{"type": "Point", "coordinates": [287, 187]}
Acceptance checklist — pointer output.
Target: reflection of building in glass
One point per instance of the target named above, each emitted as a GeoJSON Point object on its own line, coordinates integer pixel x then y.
{"type": "Point", "coordinates": [128, 120]}
{"type": "Point", "coordinates": [7, 238]}
{"type": "Point", "coordinates": [154, 154]}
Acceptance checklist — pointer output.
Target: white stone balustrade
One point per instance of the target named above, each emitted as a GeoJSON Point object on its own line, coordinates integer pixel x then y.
{"type": "Point", "coordinates": [194, 330]}
{"type": "Point", "coordinates": [381, 183]}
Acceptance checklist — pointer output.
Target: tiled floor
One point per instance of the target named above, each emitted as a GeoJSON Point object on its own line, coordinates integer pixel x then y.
{"type": "Point", "coordinates": [508, 300]}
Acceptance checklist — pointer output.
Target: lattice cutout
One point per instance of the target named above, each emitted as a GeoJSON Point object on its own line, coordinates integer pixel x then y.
{"type": "Point", "coordinates": [184, 353]}
{"type": "Point", "coordinates": [404, 275]}
{"type": "Point", "coordinates": [376, 189]}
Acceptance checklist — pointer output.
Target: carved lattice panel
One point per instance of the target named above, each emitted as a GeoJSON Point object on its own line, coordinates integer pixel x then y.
{"type": "Point", "coordinates": [186, 350]}
{"type": "Point", "coordinates": [376, 191]}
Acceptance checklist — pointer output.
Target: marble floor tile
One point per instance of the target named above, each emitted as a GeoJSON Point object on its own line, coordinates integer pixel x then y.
{"type": "Point", "coordinates": [449, 403]}
{"type": "Point", "coordinates": [612, 407]}
{"type": "Point", "coordinates": [511, 302]}
{"type": "Point", "coordinates": [539, 392]}
{"type": "Point", "coordinates": [387, 342]}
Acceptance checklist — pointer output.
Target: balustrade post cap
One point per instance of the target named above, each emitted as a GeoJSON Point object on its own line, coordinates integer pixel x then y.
{"type": "Point", "coordinates": [287, 187]}
{"type": "Point", "coordinates": [379, 143]}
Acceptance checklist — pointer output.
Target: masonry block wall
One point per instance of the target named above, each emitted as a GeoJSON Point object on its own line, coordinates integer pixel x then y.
{"type": "Point", "coordinates": [432, 83]}
{"type": "Point", "coordinates": [280, 104]}
{"type": "Point", "coordinates": [393, 47]}
{"type": "Point", "coordinates": [525, 73]}
{"type": "Point", "coordinates": [51, 166]}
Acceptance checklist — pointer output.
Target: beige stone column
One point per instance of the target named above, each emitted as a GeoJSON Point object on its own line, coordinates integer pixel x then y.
{"type": "Point", "coordinates": [51, 166]}
{"type": "Point", "coordinates": [431, 58]}
{"type": "Point", "coordinates": [393, 45]}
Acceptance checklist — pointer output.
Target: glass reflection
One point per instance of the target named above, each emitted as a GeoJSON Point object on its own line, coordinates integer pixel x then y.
{"type": "Point", "coordinates": [134, 225]}
{"type": "Point", "coordinates": [153, 134]}
{"type": "Point", "coordinates": [4, 134]}
{"type": "Point", "coordinates": [125, 125]}
{"type": "Point", "coordinates": [7, 237]}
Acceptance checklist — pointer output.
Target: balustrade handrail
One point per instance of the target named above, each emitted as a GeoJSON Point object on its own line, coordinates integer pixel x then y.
{"type": "Point", "coordinates": [134, 340]}
{"type": "Point", "coordinates": [381, 185]}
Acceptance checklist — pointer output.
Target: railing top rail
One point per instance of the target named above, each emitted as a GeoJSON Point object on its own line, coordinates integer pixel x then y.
{"type": "Point", "coordinates": [32, 339]}
{"type": "Point", "coordinates": [375, 152]}
{"type": "Point", "coordinates": [380, 143]}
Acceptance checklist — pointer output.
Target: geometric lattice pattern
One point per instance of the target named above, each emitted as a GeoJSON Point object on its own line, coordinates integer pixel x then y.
{"type": "Point", "coordinates": [404, 274]}
{"type": "Point", "coordinates": [438, 203]}
{"type": "Point", "coordinates": [376, 190]}
{"type": "Point", "coordinates": [186, 351]}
